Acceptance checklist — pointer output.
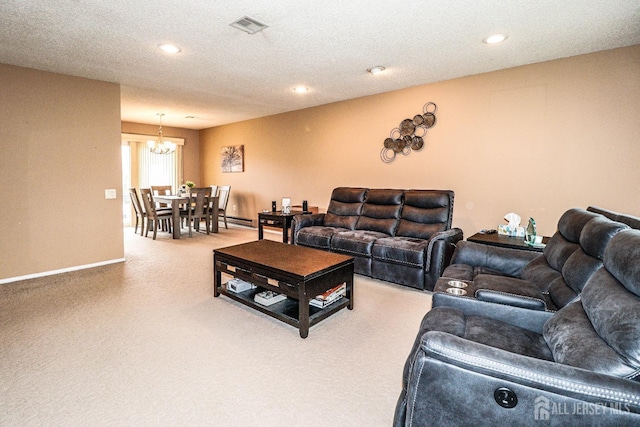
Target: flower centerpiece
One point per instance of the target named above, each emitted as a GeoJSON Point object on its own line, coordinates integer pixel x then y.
{"type": "Point", "coordinates": [184, 188]}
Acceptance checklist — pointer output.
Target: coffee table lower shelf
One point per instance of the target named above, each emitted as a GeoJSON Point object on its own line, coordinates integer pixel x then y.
{"type": "Point", "coordinates": [287, 310]}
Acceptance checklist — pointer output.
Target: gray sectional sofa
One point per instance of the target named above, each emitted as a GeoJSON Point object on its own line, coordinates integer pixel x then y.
{"type": "Point", "coordinates": [400, 236]}
{"type": "Point", "coordinates": [549, 341]}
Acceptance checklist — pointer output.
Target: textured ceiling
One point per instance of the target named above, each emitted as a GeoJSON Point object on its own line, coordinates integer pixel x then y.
{"type": "Point", "coordinates": [224, 75]}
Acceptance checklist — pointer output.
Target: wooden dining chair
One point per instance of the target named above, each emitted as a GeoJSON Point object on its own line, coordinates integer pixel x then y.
{"type": "Point", "coordinates": [197, 209]}
{"type": "Point", "coordinates": [214, 216]}
{"type": "Point", "coordinates": [153, 216]}
{"type": "Point", "coordinates": [141, 214]}
{"type": "Point", "coordinates": [223, 199]}
{"type": "Point", "coordinates": [164, 190]}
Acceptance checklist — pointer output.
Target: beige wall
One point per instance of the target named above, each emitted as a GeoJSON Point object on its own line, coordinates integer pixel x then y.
{"type": "Point", "coordinates": [191, 152]}
{"type": "Point", "coordinates": [535, 140]}
{"type": "Point", "coordinates": [60, 142]}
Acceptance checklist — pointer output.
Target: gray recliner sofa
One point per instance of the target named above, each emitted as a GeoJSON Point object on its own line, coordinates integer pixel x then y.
{"type": "Point", "coordinates": [578, 367]}
{"type": "Point", "coordinates": [401, 236]}
{"type": "Point", "coordinates": [549, 281]}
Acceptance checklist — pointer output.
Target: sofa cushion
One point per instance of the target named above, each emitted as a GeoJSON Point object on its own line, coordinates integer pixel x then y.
{"type": "Point", "coordinates": [381, 211]}
{"type": "Point", "coordinates": [541, 273]}
{"type": "Point", "coordinates": [548, 267]}
{"type": "Point", "coordinates": [317, 236]}
{"type": "Point", "coordinates": [584, 262]}
{"type": "Point", "coordinates": [572, 222]}
{"type": "Point", "coordinates": [401, 250]}
{"type": "Point", "coordinates": [574, 342]}
{"type": "Point", "coordinates": [345, 207]}
{"type": "Point", "coordinates": [567, 239]}
{"type": "Point", "coordinates": [486, 331]}
{"type": "Point", "coordinates": [355, 242]}
{"type": "Point", "coordinates": [601, 332]}
{"type": "Point", "coordinates": [425, 213]}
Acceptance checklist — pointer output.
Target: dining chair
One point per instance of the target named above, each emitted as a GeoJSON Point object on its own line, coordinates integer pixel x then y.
{"type": "Point", "coordinates": [223, 199]}
{"type": "Point", "coordinates": [214, 193]}
{"type": "Point", "coordinates": [164, 190]}
{"type": "Point", "coordinates": [154, 217]}
{"type": "Point", "coordinates": [141, 214]}
{"type": "Point", "coordinates": [197, 209]}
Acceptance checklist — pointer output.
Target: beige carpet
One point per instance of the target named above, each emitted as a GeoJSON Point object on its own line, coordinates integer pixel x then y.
{"type": "Point", "coordinates": [146, 343]}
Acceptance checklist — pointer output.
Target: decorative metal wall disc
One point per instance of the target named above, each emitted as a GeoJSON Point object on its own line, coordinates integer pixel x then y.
{"type": "Point", "coordinates": [407, 127]}
{"type": "Point", "coordinates": [410, 134]}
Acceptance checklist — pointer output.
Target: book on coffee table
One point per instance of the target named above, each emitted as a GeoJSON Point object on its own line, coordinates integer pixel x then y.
{"type": "Point", "coordinates": [329, 297]}
{"type": "Point", "coordinates": [269, 297]}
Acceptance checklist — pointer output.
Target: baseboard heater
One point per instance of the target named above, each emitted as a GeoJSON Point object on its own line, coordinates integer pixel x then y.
{"type": "Point", "coordinates": [242, 221]}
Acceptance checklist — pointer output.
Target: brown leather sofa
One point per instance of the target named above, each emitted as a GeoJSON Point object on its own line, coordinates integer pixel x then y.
{"type": "Point", "coordinates": [400, 236]}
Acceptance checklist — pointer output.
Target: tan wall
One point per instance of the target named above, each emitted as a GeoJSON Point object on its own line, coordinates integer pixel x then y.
{"type": "Point", "coordinates": [535, 140]}
{"type": "Point", "coordinates": [60, 150]}
{"type": "Point", "coordinates": [191, 152]}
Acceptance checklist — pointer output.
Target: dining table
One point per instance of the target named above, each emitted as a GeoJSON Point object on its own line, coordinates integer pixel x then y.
{"type": "Point", "coordinates": [175, 201]}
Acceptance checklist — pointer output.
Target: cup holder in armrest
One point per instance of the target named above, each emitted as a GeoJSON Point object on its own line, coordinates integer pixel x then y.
{"type": "Point", "coordinates": [457, 284]}
{"type": "Point", "coordinates": [457, 291]}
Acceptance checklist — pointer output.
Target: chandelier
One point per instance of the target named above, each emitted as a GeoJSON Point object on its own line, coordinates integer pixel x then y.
{"type": "Point", "coordinates": [160, 146]}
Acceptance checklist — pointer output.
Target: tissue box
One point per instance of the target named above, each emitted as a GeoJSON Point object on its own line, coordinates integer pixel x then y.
{"type": "Point", "coordinates": [505, 230]}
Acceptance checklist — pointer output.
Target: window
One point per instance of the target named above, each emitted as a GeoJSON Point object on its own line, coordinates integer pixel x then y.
{"type": "Point", "coordinates": [142, 169]}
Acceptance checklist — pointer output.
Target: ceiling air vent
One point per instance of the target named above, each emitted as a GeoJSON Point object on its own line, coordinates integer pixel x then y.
{"type": "Point", "coordinates": [248, 25]}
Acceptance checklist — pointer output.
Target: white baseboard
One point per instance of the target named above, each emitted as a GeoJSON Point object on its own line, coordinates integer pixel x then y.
{"type": "Point", "coordinates": [62, 270]}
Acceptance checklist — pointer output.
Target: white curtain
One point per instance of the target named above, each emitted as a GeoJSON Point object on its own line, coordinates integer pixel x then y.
{"type": "Point", "coordinates": [157, 169]}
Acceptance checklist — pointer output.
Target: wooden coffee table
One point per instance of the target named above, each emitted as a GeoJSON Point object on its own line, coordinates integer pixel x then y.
{"type": "Point", "coordinates": [299, 272]}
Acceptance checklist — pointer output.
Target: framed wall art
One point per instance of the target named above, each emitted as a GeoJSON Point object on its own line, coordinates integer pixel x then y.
{"type": "Point", "coordinates": [233, 158]}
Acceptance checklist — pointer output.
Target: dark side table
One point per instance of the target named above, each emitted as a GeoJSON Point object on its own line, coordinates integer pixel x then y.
{"type": "Point", "coordinates": [495, 239]}
{"type": "Point", "coordinates": [277, 219]}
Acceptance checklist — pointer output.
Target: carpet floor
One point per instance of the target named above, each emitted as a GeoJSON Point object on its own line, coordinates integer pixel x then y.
{"type": "Point", "coordinates": [144, 342]}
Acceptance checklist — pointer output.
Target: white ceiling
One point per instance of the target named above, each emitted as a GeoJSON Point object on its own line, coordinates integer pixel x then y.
{"type": "Point", "coordinates": [224, 75]}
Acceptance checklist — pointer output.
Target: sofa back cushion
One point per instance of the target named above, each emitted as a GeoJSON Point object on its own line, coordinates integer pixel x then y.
{"type": "Point", "coordinates": [601, 332]}
{"type": "Point", "coordinates": [345, 207]}
{"type": "Point", "coordinates": [567, 239]}
{"type": "Point", "coordinates": [585, 261]}
{"type": "Point", "coordinates": [425, 213]}
{"type": "Point", "coordinates": [381, 211]}
{"type": "Point", "coordinates": [630, 220]}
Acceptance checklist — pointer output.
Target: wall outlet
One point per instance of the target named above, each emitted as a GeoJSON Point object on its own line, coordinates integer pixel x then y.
{"type": "Point", "coordinates": [110, 193]}
{"type": "Point", "coordinates": [234, 208]}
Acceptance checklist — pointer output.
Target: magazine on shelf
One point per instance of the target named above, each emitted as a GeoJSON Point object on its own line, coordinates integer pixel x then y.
{"type": "Point", "coordinates": [329, 297]}
{"type": "Point", "coordinates": [323, 304]}
{"type": "Point", "coordinates": [269, 297]}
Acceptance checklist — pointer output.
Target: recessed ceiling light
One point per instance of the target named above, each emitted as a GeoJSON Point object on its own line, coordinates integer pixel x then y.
{"type": "Point", "coordinates": [495, 38]}
{"type": "Point", "coordinates": [376, 70]}
{"type": "Point", "coordinates": [169, 48]}
{"type": "Point", "coordinates": [300, 89]}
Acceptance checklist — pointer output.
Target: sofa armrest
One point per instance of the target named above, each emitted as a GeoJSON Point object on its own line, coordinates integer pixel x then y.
{"type": "Point", "coordinates": [506, 261]}
{"type": "Point", "coordinates": [451, 237]}
{"type": "Point", "coordinates": [440, 249]}
{"type": "Point", "coordinates": [305, 220]}
{"type": "Point", "coordinates": [532, 320]}
{"type": "Point", "coordinates": [543, 390]}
